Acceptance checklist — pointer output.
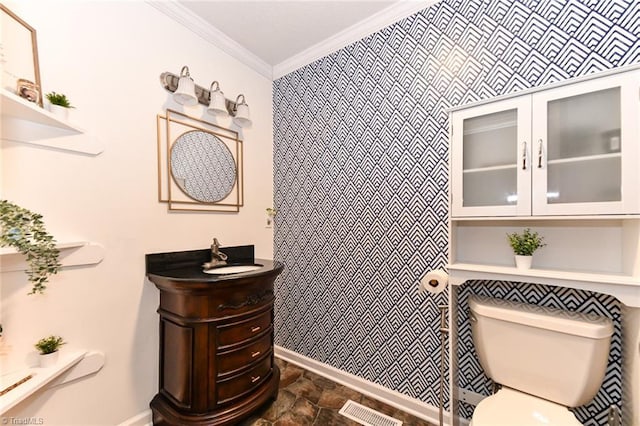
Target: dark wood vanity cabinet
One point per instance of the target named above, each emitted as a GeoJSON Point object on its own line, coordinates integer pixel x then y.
{"type": "Point", "coordinates": [216, 349]}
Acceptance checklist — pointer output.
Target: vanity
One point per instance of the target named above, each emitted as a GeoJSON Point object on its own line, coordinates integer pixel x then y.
{"type": "Point", "coordinates": [216, 337]}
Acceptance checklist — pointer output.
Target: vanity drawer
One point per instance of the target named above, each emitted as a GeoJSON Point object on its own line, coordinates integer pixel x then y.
{"type": "Point", "coordinates": [235, 386]}
{"type": "Point", "coordinates": [242, 357]}
{"type": "Point", "coordinates": [229, 334]}
{"type": "Point", "coordinates": [242, 298]}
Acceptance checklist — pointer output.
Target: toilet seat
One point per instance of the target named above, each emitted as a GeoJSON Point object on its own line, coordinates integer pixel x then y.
{"type": "Point", "coordinates": [509, 407]}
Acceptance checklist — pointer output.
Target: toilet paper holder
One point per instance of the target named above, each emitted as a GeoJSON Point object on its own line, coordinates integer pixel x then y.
{"type": "Point", "coordinates": [434, 282]}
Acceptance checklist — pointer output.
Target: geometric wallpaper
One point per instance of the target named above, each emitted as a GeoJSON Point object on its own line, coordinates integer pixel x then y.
{"type": "Point", "coordinates": [360, 168]}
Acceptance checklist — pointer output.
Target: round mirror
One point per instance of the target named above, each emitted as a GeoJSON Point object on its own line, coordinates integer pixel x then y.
{"type": "Point", "coordinates": [202, 166]}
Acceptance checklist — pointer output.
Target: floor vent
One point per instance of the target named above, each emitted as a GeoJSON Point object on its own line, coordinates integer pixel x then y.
{"type": "Point", "coordinates": [366, 416]}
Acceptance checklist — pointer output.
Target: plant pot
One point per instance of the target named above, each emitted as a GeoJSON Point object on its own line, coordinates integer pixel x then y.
{"type": "Point", "coordinates": [523, 262]}
{"type": "Point", "coordinates": [59, 111]}
{"type": "Point", "coordinates": [48, 360]}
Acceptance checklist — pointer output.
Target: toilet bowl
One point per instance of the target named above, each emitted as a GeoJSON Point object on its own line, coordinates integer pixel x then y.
{"type": "Point", "coordinates": [545, 359]}
{"type": "Point", "coordinates": [509, 407]}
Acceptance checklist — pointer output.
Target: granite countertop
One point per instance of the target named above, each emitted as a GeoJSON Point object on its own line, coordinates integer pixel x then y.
{"type": "Point", "coordinates": [187, 265]}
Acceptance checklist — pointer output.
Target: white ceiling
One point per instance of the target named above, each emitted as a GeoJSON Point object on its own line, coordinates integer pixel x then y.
{"type": "Point", "coordinates": [277, 30]}
{"type": "Point", "coordinates": [276, 37]}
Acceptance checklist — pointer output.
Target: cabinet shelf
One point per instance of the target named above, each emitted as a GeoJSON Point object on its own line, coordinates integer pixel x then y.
{"type": "Point", "coordinates": [586, 158]}
{"type": "Point", "coordinates": [490, 128]}
{"type": "Point", "coordinates": [490, 168]}
{"type": "Point", "coordinates": [26, 122]}
{"type": "Point", "coordinates": [624, 287]}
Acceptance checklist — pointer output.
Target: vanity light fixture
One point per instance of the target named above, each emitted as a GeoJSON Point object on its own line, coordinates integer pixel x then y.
{"type": "Point", "coordinates": [217, 104]}
{"type": "Point", "coordinates": [241, 112]}
{"type": "Point", "coordinates": [186, 92]}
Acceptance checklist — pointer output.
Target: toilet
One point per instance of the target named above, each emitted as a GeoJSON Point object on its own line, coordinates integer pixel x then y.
{"type": "Point", "coordinates": [546, 360]}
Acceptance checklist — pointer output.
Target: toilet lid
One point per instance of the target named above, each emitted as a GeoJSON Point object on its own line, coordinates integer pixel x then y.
{"type": "Point", "coordinates": [509, 407]}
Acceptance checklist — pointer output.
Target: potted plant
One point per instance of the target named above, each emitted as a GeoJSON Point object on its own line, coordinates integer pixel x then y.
{"type": "Point", "coordinates": [59, 104]}
{"type": "Point", "coordinates": [25, 231]}
{"type": "Point", "coordinates": [48, 349]}
{"type": "Point", "coordinates": [524, 245]}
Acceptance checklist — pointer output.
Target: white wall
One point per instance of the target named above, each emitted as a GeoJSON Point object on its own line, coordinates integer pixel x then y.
{"type": "Point", "coordinates": [107, 57]}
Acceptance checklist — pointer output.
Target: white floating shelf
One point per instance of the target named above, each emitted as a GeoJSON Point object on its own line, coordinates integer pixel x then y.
{"type": "Point", "coordinates": [77, 253]}
{"type": "Point", "coordinates": [624, 287]}
{"type": "Point", "coordinates": [27, 122]}
{"type": "Point", "coordinates": [70, 366]}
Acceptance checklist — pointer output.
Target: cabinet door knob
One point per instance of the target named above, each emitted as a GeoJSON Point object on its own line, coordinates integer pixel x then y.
{"type": "Point", "coordinates": [255, 354]}
{"type": "Point", "coordinates": [524, 155]}
{"type": "Point", "coordinates": [539, 153]}
{"type": "Point", "coordinates": [255, 329]}
{"type": "Point", "coordinates": [255, 379]}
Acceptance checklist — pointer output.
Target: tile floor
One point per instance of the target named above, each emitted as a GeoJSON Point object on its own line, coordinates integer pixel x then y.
{"type": "Point", "coordinates": [306, 398]}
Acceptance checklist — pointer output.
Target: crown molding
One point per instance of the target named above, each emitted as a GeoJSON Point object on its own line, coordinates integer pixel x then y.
{"type": "Point", "coordinates": [387, 16]}
{"type": "Point", "coordinates": [208, 32]}
{"type": "Point", "coordinates": [356, 32]}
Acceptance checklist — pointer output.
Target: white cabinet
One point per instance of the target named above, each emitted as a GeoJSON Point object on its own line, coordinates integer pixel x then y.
{"type": "Point", "coordinates": [563, 160]}
{"type": "Point", "coordinates": [491, 159]}
{"type": "Point", "coordinates": [568, 150]}
{"type": "Point", "coordinates": [585, 141]}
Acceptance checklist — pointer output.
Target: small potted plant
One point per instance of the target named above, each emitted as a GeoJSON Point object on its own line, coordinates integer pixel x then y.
{"type": "Point", "coordinates": [524, 245]}
{"type": "Point", "coordinates": [59, 104]}
{"type": "Point", "coordinates": [48, 348]}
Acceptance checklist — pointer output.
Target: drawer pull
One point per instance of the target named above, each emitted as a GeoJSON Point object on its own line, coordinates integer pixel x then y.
{"type": "Point", "coordinates": [255, 379]}
{"type": "Point", "coordinates": [255, 329]}
{"type": "Point", "coordinates": [255, 354]}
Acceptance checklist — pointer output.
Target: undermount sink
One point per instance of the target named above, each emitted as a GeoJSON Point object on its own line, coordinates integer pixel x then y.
{"type": "Point", "coordinates": [232, 269]}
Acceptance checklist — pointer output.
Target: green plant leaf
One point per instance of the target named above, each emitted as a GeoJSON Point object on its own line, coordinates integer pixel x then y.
{"type": "Point", "coordinates": [48, 345]}
{"type": "Point", "coordinates": [59, 99]}
{"type": "Point", "coordinates": [25, 231]}
{"type": "Point", "coordinates": [527, 243]}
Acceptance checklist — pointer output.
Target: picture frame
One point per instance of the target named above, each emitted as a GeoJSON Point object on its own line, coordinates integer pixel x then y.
{"type": "Point", "coordinates": [19, 56]}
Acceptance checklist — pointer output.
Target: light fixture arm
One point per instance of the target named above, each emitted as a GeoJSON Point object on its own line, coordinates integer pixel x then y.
{"type": "Point", "coordinates": [184, 72]}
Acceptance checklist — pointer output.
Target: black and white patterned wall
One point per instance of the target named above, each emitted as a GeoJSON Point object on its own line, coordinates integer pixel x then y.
{"type": "Point", "coordinates": [360, 168]}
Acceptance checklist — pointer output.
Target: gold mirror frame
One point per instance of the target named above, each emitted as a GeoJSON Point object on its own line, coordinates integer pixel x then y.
{"type": "Point", "coordinates": [171, 127]}
{"type": "Point", "coordinates": [34, 50]}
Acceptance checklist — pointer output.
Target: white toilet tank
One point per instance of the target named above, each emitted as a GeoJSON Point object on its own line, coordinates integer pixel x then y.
{"type": "Point", "coordinates": [557, 355]}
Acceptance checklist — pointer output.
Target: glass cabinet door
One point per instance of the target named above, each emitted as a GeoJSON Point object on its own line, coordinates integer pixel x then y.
{"type": "Point", "coordinates": [491, 159]}
{"type": "Point", "coordinates": [581, 133]}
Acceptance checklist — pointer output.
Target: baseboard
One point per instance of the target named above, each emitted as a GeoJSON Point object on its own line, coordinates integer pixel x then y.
{"type": "Point", "coordinates": [142, 419]}
{"type": "Point", "coordinates": [390, 397]}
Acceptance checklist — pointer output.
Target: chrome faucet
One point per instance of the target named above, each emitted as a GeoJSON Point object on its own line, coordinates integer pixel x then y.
{"type": "Point", "coordinates": [217, 257]}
